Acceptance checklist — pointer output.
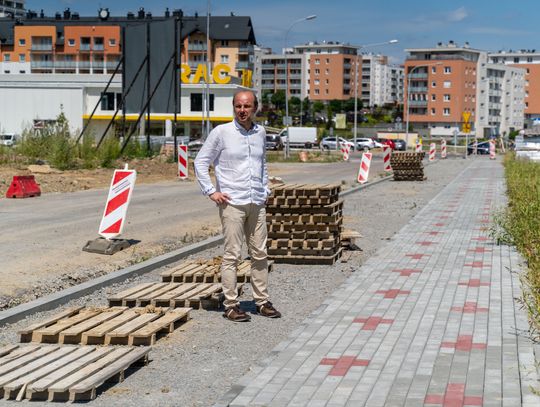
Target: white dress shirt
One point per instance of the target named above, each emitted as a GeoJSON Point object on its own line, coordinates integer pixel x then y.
{"type": "Point", "coordinates": [239, 159]}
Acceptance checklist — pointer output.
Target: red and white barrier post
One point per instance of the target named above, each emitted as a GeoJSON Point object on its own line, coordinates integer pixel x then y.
{"type": "Point", "coordinates": [182, 161]}
{"type": "Point", "coordinates": [114, 216]}
{"type": "Point", "coordinates": [363, 172]}
{"type": "Point", "coordinates": [443, 148]}
{"type": "Point", "coordinates": [418, 146]}
{"type": "Point", "coordinates": [432, 151]}
{"type": "Point", "coordinates": [492, 153]}
{"type": "Point", "coordinates": [345, 150]}
{"type": "Point", "coordinates": [387, 154]}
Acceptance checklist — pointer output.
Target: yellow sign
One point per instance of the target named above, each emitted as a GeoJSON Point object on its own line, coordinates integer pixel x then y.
{"type": "Point", "coordinates": [466, 127]}
{"type": "Point", "coordinates": [220, 74]}
{"type": "Point", "coordinates": [247, 78]}
{"type": "Point", "coordinates": [466, 116]}
{"type": "Point", "coordinates": [341, 122]}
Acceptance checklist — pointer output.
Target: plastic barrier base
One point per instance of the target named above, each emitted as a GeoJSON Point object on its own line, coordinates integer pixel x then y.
{"type": "Point", "coordinates": [104, 246]}
{"type": "Point", "coordinates": [23, 186]}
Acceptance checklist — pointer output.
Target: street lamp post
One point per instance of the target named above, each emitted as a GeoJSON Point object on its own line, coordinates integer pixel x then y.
{"type": "Point", "coordinates": [356, 82]}
{"type": "Point", "coordinates": [287, 80]}
{"type": "Point", "coordinates": [409, 75]}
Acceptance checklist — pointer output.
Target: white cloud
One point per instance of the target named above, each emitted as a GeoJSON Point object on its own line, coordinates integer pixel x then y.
{"type": "Point", "coordinates": [457, 15]}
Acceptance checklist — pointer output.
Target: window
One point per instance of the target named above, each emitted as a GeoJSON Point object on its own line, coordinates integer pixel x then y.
{"type": "Point", "coordinates": [433, 69]}
{"type": "Point", "coordinates": [225, 59]}
{"type": "Point", "coordinates": [224, 43]}
{"type": "Point", "coordinates": [196, 100]}
{"type": "Point", "coordinates": [316, 91]}
{"type": "Point", "coordinates": [22, 42]}
{"type": "Point", "coordinates": [447, 69]}
{"type": "Point", "coordinates": [317, 71]}
{"type": "Point", "coordinates": [433, 84]}
{"type": "Point", "coordinates": [71, 42]}
{"type": "Point", "coordinates": [7, 57]}
{"type": "Point", "coordinates": [516, 60]}
{"type": "Point", "coordinates": [327, 60]}
{"type": "Point", "coordinates": [112, 42]}
{"type": "Point", "coordinates": [326, 81]}
{"type": "Point", "coordinates": [22, 58]}
{"type": "Point", "coordinates": [433, 97]}
{"type": "Point", "coordinates": [316, 82]}
{"type": "Point", "coordinates": [326, 91]}
{"type": "Point", "coordinates": [447, 84]}
{"type": "Point", "coordinates": [326, 71]}
{"type": "Point", "coordinates": [107, 101]}
{"type": "Point", "coordinates": [433, 111]}
{"type": "Point", "coordinates": [447, 97]}
{"type": "Point", "coordinates": [317, 61]}
{"type": "Point", "coordinates": [446, 111]}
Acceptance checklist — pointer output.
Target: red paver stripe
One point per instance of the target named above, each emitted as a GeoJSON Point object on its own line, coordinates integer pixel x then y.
{"type": "Point", "coordinates": [454, 397]}
{"type": "Point", "coordinates": [392, 293]}
{"type": "Point", "coordinates": [343, 364]}
{"type": "Point", "coordinates": [438, 224]}
{"type": "Point", "coordinates": [479, 249]}
{"type": "Point", "coordinates": [464, 343]}
{"type": "Point", "coordinates": [474, 282]}
{"type": "Point", "coordinates": [371, 323]}
{"type": "Point", "coordinates": [434, 233]}
{"type": "Point", "coordinates": [425, 243]}
{"type": "Point", "coordinates": [480, 238]}
{"type": "Point", "coordinates": [406, 272]}
{"type": "Point", "coordinates": [470, 307]}
{"type": "Point", "coordinates": [477, 264]}
{"type": "Point", "coordinates": [416, 256]}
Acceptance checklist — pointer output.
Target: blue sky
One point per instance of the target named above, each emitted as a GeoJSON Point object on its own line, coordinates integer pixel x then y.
{"type": "Point", "coordinates": [487, 25]}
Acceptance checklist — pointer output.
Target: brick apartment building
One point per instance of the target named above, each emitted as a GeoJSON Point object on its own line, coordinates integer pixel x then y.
{"type": "Point", "coordinates": [448, 81]}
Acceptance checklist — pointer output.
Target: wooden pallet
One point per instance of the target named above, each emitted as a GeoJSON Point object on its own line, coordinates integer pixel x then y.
{"type": "Point", "coordinates": [206, 272]}
{"type": "Point", "coordinates": [302, 218]}
{"type": "Point", "coordinates": [61, 373]}
{"type": "Point", "coordinates": [305, 227]}
{"type": "Point", "coordinates": [194, 295]}
{"type": "Point", "coordinates": [332, 209]}
{"type": "Point", "coordinates": [115, 325]}
{"type": "Point", "coordinates": [318, 244]}
{"type": "Point", "coordinates": [302, 235]}
{"type": "Point", "coordinates": [314, 260]}
{"type": "Point", "coordinates": [306, 190]}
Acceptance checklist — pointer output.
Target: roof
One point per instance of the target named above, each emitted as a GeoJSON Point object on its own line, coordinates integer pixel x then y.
{"type": "Point", "coordinates": [237, 28]}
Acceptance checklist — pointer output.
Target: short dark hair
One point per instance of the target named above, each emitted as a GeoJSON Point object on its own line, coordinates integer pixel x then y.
{"type": "Point", "coordinates": [256, 101]}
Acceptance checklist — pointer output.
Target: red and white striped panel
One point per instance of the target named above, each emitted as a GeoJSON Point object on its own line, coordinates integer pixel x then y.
{"type": "Point", "coordinates": [182, 161]}
{"type": "Point", "coordinates": [492, 153]}
{"type": "Point", "coordinates": [120, 192]}
{"type": "Point", "coordinates": [418, 147]}
{"type": "Point", "coordinates": [443, 148]}
{"type": "Point", "coordinates": [345, 150]}
{"type": "Point", "coordinates": [387, 154]}
{"type": "Point", "coordinates": [432, 151]}
{"type": "Point", "coordinates": [363, 172]}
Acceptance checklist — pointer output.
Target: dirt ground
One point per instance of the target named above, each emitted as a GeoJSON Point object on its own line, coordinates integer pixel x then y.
{"type": "Point", "coordinates": [148, 171]}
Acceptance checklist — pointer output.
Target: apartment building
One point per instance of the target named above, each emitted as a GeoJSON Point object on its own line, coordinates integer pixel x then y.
{"type": "Point", "coordinates": [382, 83]}
{"type": "Point", "coordinates": [528, 59]}
{"type": "Point", "coordinates": [70, 43]}
{"type": "Point", "coordinates": [273, 74]}
{"type": "Point", "coordinates": [12, 8]}
{"type": "Point", "coordinates": [449, 83]}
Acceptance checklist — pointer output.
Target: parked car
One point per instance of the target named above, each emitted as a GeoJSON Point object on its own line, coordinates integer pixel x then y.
{"type": "Point", "coordinates": [401, 145]}
{"type": "Point", "coordinates": [329, 143]}
{"type": "Point", "coordinates": [273, 142]}
{"type": "Point", "coordinates": [377, 143]}
{"type": "Point", "coordinates": [364, 144]}
{"type": "Point", "coordinates": [8, 139]}
{"type": "Point", "coordinates": [483, 148]}
{"type": "Point", "coordinates": [390, 143]}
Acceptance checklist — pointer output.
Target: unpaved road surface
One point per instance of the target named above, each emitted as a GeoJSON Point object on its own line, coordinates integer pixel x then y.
{"type": "Point", "coordinates": [41, 238]}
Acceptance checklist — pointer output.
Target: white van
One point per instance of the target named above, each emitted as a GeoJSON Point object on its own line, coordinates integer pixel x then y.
{"type": "Point", "coordinates": [7, 139]}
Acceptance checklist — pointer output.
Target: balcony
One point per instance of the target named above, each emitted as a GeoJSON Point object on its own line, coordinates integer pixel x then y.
{"type": "Point", "coordinates": [419, 103]}
{"type": "Point", "coordinates": [65, 64]}
{"type": "Point", "coordinates": [245, 49]}
{"type": "Point", "coordinates": [85, 47]}
{"type": "Point", "coordinates": [418, 75]}
{"type": "Point", "coordinates": [243, 65]}
{"type": "Point", "coordinates": [197, 47]}
{"type": "Point", "coordinates": [418, 89]}
{"type": "Point", "coordinates": [98, 47]}
{"type": "Point", "coordinates": [42, 64]}
{"type": "Point", "coordinates": [41, 47]}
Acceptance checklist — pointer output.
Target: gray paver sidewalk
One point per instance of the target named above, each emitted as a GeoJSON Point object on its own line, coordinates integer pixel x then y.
{"type": "Point", "coordinates": [430, 320]}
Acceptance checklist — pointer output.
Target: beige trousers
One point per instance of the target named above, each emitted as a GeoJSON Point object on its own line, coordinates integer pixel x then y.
{"type": "Point", "coordinates": [244, 222]}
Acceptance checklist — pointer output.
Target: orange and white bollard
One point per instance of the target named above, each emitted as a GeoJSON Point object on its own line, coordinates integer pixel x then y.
{"type": "Point", "coordinates": [387, 154]}
{"type": "Point", "coordinates": [432, 151]}
{"type": "Point", "coordinates": [363, 172]}
{"type": "Point", "coordinates": [443, 148]}
{"type": "Point", "coordinates": [492, 153]}
{"type": "Point", "coordinates": [182, 161]}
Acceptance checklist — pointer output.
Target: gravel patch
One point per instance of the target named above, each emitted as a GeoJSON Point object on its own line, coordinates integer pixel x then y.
{"type": "Point", "coordinates": [198, 363]}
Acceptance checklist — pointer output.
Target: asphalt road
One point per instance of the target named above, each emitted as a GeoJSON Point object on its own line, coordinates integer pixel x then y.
{"type": "Point", "coordinates": [41, 238]}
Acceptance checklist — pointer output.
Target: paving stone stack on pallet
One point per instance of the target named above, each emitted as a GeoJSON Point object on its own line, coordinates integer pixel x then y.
{"type": "Point", "coordinates": [407, 166]}
{"type": "Point", "coordinates": [304, 224]}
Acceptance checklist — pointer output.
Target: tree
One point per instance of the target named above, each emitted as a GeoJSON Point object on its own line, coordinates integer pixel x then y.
{"type": "Point", "coordinates": [349, 105]}
{"type": "Point", "coordinates": [278, 99]}
{"type": "Point", "coordinates": [330, 115]}
{"type": "Point", "coordinates": [336, 105]}
{"type": "Point", "coordinates": [318, 106]}
{"type": "Point", "coordinates": [294, 104]}
{"type": "Point", "coordinates": [306, 104]}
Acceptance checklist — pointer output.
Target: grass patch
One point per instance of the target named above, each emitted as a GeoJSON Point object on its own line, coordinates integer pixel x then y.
{"type": "Point", "coordinates": [522, 224]}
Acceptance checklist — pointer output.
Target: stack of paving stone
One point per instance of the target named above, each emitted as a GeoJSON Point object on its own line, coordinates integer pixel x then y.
{"type": "Point", "coordinates": [304, 224]}
{"type": "Point", "coordinates": [407, 166]}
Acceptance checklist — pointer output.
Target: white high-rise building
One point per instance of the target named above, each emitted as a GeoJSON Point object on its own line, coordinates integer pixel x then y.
{"type": "Point", "coordinates": [382, 83]}
{"type": "Point", "coordinates": [10, 8]}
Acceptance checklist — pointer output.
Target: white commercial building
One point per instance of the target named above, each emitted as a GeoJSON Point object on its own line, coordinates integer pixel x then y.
{"type": "Point", "coordinates": [28, 101]}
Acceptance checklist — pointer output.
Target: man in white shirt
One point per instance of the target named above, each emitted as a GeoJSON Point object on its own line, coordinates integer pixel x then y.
{"type": "Point", "coordinates": [237, 150]}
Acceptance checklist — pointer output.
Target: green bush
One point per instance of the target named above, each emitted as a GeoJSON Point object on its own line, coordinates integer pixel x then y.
{"type": "Point", "coordinates": [523, 224]}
